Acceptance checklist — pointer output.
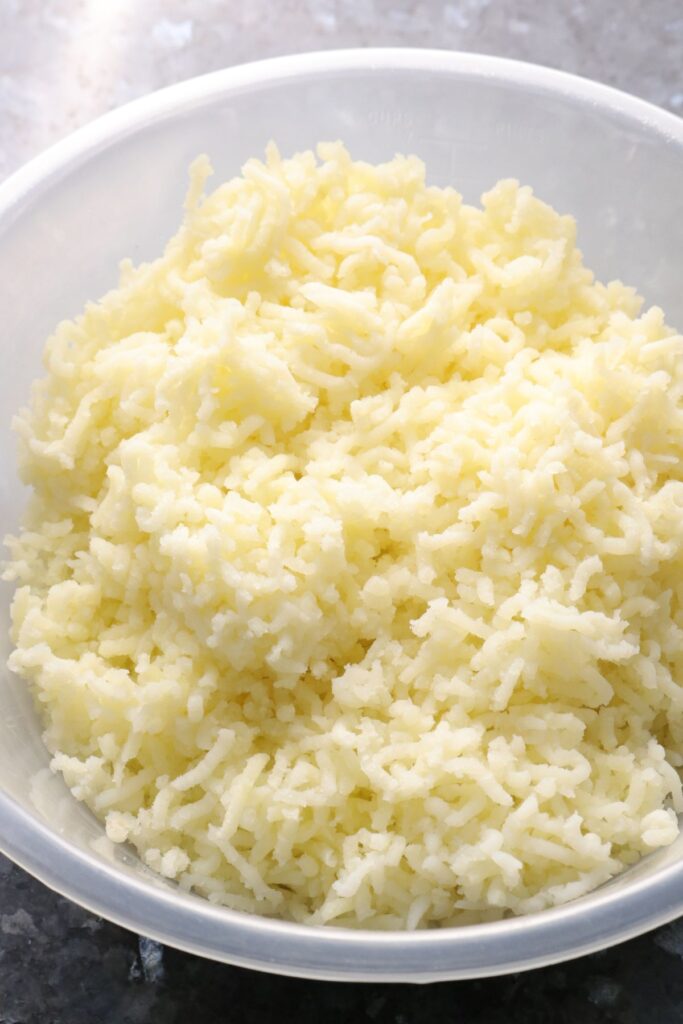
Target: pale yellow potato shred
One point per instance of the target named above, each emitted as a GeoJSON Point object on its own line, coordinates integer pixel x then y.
{"type": "Point", "coordinates": [351, 587]}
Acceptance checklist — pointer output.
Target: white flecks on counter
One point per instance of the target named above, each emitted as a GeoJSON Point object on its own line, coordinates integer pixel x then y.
{"type": "Point", "coordinates": [172, 35]}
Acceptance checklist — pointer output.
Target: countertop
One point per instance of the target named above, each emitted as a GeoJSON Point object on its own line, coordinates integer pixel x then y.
{"type": "Point", "coordinates": [63, 62]}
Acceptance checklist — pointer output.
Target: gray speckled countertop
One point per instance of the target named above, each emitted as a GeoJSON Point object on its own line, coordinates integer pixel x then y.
{"type": "Point", "coordinates": [63, 62]}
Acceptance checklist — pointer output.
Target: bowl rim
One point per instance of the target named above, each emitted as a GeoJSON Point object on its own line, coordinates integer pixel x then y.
{"type": "Point", "coordinates": [191, 923]}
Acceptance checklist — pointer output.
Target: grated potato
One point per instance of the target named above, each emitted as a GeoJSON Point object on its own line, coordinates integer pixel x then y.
{"type": "Point", "coordinates": [351, 586]}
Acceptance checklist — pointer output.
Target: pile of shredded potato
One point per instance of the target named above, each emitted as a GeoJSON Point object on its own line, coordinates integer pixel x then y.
{"type": "Point", "coordinates": [351, 589]}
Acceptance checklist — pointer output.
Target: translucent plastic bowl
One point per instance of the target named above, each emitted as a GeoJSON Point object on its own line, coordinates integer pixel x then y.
{"type": "Point", "coordinates": [115, 189]}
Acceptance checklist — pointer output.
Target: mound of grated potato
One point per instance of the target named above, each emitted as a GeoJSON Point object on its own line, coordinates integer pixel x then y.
{"type": "Point", "coordinates": [351, 590]}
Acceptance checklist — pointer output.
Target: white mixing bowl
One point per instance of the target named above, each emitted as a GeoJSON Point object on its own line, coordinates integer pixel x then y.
{"type": "Point", "coordinates": [115, 189]}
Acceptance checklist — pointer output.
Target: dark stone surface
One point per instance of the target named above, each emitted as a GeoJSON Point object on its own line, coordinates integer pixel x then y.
{"type": "Point", "coordinates": [61, 965]}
